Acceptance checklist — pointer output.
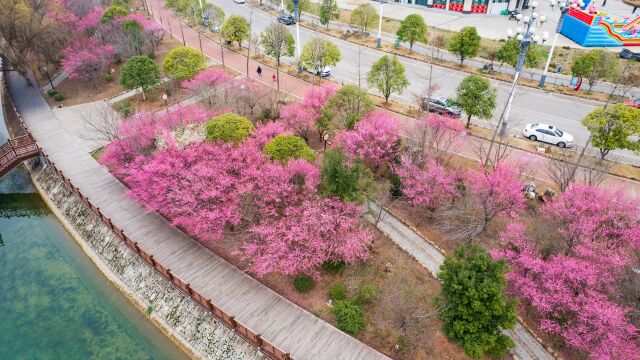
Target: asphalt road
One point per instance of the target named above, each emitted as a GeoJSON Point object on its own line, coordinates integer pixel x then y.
{"type": "Point", "coordinates": [529, 105]}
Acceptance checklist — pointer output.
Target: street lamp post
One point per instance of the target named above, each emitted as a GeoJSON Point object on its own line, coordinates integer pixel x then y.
{"type": "Point", "coordinates": [564, 9]}
{"type": "Point", "coordinates": [164, 98]}
{"type": "Point", "coordinates": [379, 42]}
{"type": "Point", "coordinates": [159, 12]}
{"type": "Point", "coordinates": [44, 68]}
{"type": "Point", "coordinates": [525, 35]}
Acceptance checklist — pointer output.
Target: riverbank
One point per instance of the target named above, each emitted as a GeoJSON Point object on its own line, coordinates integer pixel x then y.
{"type": "Point", "coordinates": [192, 329]}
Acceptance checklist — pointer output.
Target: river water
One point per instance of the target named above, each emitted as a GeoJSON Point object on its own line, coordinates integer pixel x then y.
{"type": "Point", "coordinates": [54, 302]}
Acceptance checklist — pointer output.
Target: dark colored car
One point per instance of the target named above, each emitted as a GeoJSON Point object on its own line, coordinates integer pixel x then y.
{"type": "Point", "coordinates": [628, 54]}
{"type": "Point", "coordinates": [286, 19]}
{"type": "Point", "coordinates": [442, 106]}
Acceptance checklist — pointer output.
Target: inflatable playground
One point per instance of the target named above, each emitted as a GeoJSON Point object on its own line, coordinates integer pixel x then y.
{"type": "Point", "coordinates": [588, 26]}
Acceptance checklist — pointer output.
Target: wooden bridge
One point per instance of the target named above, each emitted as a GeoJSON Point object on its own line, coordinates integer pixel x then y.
{"type": "Point", "coordinates": [17, 150]}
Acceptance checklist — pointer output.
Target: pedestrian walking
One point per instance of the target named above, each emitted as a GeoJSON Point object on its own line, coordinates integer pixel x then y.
{"type": "Point", "coordinates": [259, 71]}
{"type": "Point", "coordinates": [273, 77]}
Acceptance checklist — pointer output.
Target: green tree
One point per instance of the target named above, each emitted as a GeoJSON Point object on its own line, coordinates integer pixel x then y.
{"type": "Point", "coordinates": [474, 306]}
{"type": "Point", "coordinates": [476, 97]}
{"type": "Point", "coordinates": [329, 11]}
{"type": "Point", "coordinates": [229, 127]}
{"type": "Point", "coordinates": [140, 72]}
{"type": "Point", "coordinates": [344, 109]}
{"type": "Point", "coordinates": [235, 29]}
{"type": "Point", "coordinates": [113, 12]}
{"type": "Point", "coordinates": [123, 3]}
{"type": "Point", "coordinates": [614, 129]}
{"type": "Point", "coordinates": [349, 316]}
{"type": "Point", "coordinates": [277, 42]}
{"type": "Point", "coordinates": [363, 17]}
{"type": "Point", "coordinates": [347, 181]}
{"type": "Point", "coordinates": [595, 65]}
{"type": "Point", "coordinates": [318, 53]}
{"type": "Point", "coordinates": [286, 147]}
{"type": "Point", "coordinates": [465, 43]}
{"type": "Point", "coordinates": [303, 6]}
{"type": "Point", "coordinates": [387, 75]}
{"type": "Point", "coordinates": [216, 18]}
{"type": "Point", "coordinates": [509, 51]}
{"type": "Point", "coordinates": [135, 32]}
{"type": "Point", "coordinates": [183, 62]}
{"type": "Point", "coordinates": [412, 29]}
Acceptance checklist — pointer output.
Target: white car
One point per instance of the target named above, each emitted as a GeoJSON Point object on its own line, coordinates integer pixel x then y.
{"type": "Point", "coordinates": [239, 1]}
{"type": "Point", "coordinates": [549, 134]}
{"type": "Point", "coordinates": [325, 72]}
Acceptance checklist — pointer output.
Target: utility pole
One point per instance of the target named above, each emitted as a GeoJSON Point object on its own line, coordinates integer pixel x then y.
{"type": "Point", "coordinates": [296, 10]}
{"type": "Point", "coordinates": [379, 42]}
{"type": "Point", "coordinates": [564, 9]}
{"type": "Point", "coordinates": [249, 41]}
{"type": "Point", "coordinates": [525, 36]}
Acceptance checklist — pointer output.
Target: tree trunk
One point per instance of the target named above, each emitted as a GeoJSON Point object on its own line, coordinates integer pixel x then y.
{"type": "Point", "coordinates": [468, 121]}
{"type": "Point", "coordinates": [604, 153]}
{"type": "Point", "coordinates": [144, 97]}
{"type": "Point", "coordinates": [278, 73]}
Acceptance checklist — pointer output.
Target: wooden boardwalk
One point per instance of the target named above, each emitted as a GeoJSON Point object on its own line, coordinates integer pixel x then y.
{"type": "Point", "coordinates": [278, 321]}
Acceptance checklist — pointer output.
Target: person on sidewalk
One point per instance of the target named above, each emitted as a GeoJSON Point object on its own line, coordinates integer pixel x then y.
{"type": "Point", "coordinates": [259, 71]}
{"type": "Point", "coordinates": [273, 77]}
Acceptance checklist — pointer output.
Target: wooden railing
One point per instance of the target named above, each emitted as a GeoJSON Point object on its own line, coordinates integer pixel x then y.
{"type": "Point", "coordinates": [17, 150]}
{"type": "Point", "coordinates": [228, 320]}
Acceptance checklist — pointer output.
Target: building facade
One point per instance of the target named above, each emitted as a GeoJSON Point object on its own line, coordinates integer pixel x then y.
{"type": "Point", "coordinates": [493, 7]}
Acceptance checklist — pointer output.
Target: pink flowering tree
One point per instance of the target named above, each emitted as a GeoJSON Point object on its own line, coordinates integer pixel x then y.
{"type": "Point", "coordinates": [87, 58]}
{"type": "Point", "coordinates": [198, 188]}
{"type": "Point", "coordinates": [210, 86]}
{"type": "Point", "coordinates": [375, 140]}
{"type": "Point", "coordinates": [301, 117]}
{"type": "Point", "coordinates": [435, 136]}
{"type": "Point", "coordinates": [90, 22]}
{"type": "Point", "coordinates": [306, 235]}
{"type": "Point", "coordinates": [571, 293]}
{"type": "Point", "coordinates": [496, 192]}
{"type": "Point", "coordinates": [595, 215]}
{"type": "Point", "coordinates": [429, 186]}
{"type": "Point", "coordinates": [264, 133]}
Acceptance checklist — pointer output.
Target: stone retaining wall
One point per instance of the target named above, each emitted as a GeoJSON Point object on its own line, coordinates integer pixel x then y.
{"type": "Point", "coordinates": [188, 324]}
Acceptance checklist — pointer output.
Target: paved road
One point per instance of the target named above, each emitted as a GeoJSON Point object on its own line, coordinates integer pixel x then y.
{"type": "Point", "coordinates": [527, 347]}
{"type": "Point", "coordinates": [529, 105]}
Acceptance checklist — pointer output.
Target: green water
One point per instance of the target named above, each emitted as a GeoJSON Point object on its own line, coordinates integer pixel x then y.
{"type": "Point", "coordinates": [54, 303]}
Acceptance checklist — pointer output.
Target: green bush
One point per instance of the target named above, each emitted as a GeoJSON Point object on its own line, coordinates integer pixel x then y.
{"type": "Point", "coordinates": [58, 97]}
{"type": "Point", "coordinates": [303, 283]}
{"type": "Point", "coordinates": [285, 147]}
{"type": "Point", "coordinates": [337, 291]}
{"type": "Point", "coordinates": [52, 92]}
{"type": "Point", "coordinates": [183, 62]}
{"type": "Point", "coordinates": [350, 316]}
{"type": "Point", "coordinates": [333, 267]}
{"type": "Point", "coordinates": [124, 107]}
{"type": "Point", "coordinates": [123, 3]}
{"type": "Point", "coordinates": [347, 181]}
{"type": "Point", "coordinates": [367, 294]}
{"type": "Point", "coordinates": [113, 12]}
{"type": "Point", "coordinates": [228, 127]}
{"type": "Point", "coordinates": [108, 78]}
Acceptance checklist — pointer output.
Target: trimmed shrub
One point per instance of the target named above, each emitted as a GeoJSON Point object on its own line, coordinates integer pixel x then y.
{"type": "Point", "coordinates": [350, 316]}
{"type": "Point", "coordinates": [58, 97]}
{"type": "Point", "coordinates": [123, 3]}
{"type": "Point", "coordinates": [303, 283]}
{"type": "Point", "coordinates": [113, 12]}
{"type": "Point", "coordinates": [333, 267]}
{"type": "Point", "coordinates": [367, 294]}
{"type": "Point", "coordinates": [183, 63]}
{"type": "Point", "coordinates": [337, 291]}
{"type": "Point", "coordinates": [228, 127]}
{"type": "Point", "coordinates": [285, 147]}
{"type": "Point", "coordinates": [52, 92]}
{"type": "Point", "coordinates": [108, 78]}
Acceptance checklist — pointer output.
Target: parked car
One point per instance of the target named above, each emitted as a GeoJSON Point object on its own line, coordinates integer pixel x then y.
{"type": "Point", "coordinates": [286, 19]}
{"type": "Point", "coordinates": [325, 72]}
{"type": "Point", "coordinates": [442, 106]}
{"type": "Point", "coordinates": [239, 1]}
{"type": "Point", "coordinates": [633, 103]}
{"type": "Point", "coordinates": [549, 134]}
{"type": "Point", "coordinates": [628, 54]}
